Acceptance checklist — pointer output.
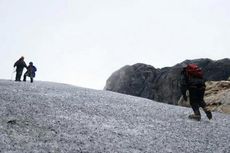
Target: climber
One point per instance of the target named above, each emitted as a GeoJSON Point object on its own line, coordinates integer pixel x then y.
{"type": "Point", "coordinates": [192, 80]}
{"type": "Point", "coordinates": [19, 64]}
{"type": "Point", "coordinates": [31, 69]}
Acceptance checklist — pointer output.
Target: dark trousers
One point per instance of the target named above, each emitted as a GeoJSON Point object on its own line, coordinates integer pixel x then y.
{"type": "Point", "coordinates": [196, 96]}
{"type": "Point", "coordinates": [18, 75]}
{"type": "Point", "coordinates": [29, 75]}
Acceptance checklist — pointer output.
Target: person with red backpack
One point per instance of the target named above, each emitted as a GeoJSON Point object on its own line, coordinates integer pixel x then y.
{"type": "Point", "coordinates": [193, 81]}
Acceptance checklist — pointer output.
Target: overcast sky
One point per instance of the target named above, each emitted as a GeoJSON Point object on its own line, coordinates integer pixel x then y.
{"type": "Point", "coordinates": [82, 42]}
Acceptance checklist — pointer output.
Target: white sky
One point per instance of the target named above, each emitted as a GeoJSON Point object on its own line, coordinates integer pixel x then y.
{"type": "Point", "coordinates": [82, 42]}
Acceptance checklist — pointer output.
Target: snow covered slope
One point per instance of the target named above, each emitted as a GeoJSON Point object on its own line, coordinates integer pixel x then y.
{"type": "Point", "coordinates": [59, 118]}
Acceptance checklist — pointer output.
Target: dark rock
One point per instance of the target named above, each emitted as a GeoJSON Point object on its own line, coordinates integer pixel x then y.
{"type": "Point", "coordinates": [133, 80]}
{"type": "Point", "coordinates": [12, 122]}
{"type": "Point", "coordinates": [162, 84]}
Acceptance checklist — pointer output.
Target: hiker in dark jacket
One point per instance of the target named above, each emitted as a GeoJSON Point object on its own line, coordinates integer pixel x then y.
{"type": "Point", "coordinates": [31, 69]}
{"type": "Point", "coordinates": [20, 64]}
{"type": "Point", "coordinates": [196, 87]}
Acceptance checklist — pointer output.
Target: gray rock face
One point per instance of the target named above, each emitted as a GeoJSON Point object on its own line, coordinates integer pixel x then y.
{"type": "Point", "coordinates": [162, 84]}
{"type": "Point", "coordinates": [133, 80]}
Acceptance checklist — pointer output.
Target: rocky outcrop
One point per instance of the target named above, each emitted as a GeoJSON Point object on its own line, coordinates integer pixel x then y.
{"type": "Point", "coordinates": [133, 80]}
{"type": "Point", "coordinates": [217, 96]}
{"type": "Point", "coordinates": [162, 84]}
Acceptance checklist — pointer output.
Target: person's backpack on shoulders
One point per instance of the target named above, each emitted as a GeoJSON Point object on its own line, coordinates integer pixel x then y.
{"type": "Point", "coordinates": [194, 70]}
{"type": "Point", "coordinates": [194, 76]}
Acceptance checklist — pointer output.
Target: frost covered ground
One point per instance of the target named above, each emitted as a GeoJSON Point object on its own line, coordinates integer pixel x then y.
{"type": "Point", "coordinates": [57, 118]}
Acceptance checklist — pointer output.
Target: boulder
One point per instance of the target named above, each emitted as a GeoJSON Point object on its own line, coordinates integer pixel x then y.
{"type": "Point", "coordinates": [133, 80]}
{"type": "Point", "coordinates": [162, 84]}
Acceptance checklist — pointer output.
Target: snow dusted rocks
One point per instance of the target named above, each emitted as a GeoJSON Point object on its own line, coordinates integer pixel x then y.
{"type": "Point", "coordinates": [58, 118]}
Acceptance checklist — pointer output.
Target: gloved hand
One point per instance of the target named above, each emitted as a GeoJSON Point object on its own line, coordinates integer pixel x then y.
{"type": "Point", "coordinates": [185, 98]}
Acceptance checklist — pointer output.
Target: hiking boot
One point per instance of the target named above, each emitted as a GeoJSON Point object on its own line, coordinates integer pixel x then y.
{"type": "Point", "coordinates": [208, 113]}
{"type": "Point", "coordinates": [194, 117]}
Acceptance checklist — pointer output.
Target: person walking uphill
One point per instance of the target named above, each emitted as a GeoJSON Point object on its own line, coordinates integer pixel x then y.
{"type": "Point", "coordinates": [192, 80]}
{"type": "Point", "coordinates": [31, 69]}
{"type": "Point", "coordinates": [20, 64]}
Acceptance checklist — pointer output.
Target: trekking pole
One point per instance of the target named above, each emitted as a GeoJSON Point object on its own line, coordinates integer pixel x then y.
{"type": "Point", "coordinates": [14, 70]}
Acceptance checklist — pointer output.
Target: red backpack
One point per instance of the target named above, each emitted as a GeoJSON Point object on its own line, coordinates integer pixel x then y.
{"type": "Point", "coordinates": [193, 70]}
